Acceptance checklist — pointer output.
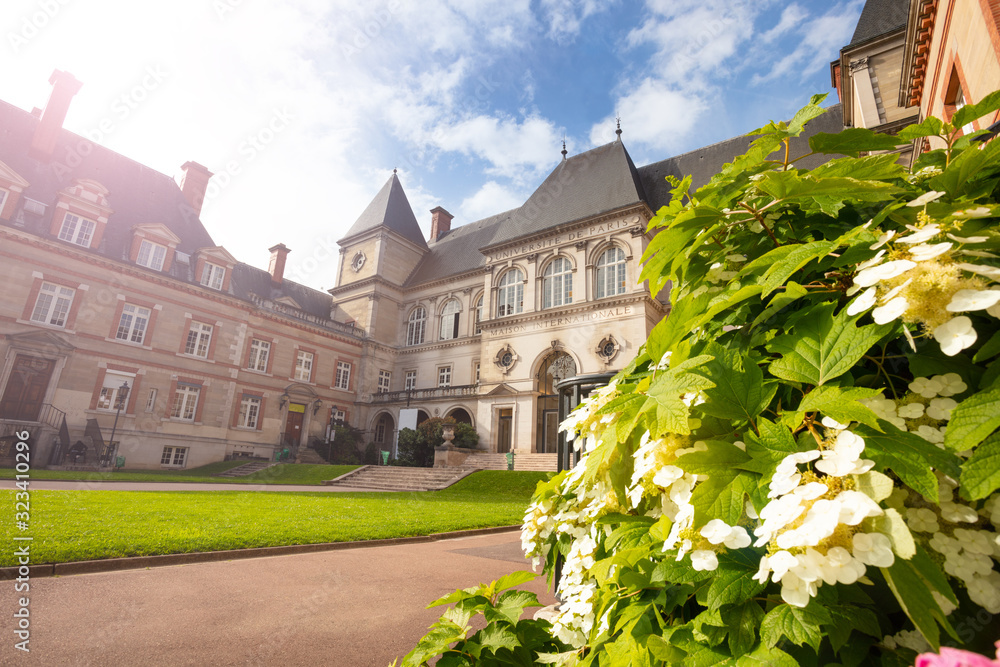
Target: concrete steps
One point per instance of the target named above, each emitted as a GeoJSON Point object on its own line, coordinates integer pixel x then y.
{"type": "Point", "coordinates": [245, 469]}
{"type": "Point", "coordinates": [535, 462]}
{"type": "Point", "coordinates": [310, 456]}
{"type": "Point", "coordinates": [392, 478]}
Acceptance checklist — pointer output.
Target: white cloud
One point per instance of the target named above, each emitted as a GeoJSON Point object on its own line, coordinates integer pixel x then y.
{"type": "Point", "coordinates": [490, 199]}
{"type": "Point", "coordinates": [654, 114]}
{"type": "Point", "coordinates": [565, 18]}
{"type": "Point", "coordinates": [791, 17]}
{"type": "Point", "coordinates": [509, 146]}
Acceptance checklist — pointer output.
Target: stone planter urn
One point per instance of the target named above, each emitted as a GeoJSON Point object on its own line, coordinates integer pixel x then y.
{"type": "Point", "coordinates": [448, 433]}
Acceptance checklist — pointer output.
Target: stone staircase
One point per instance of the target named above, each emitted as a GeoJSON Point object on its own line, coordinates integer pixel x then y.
{"type": "Point", "coordinates": [537, 462]}
{"type": "Point", "coordinates": [246, 469]}
{"type": "Point", "coordinates": [393, 478]}
{"type": "Point", "coordinates": [310, 456]}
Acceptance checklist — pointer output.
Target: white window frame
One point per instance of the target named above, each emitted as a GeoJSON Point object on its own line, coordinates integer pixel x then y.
{"type": "Point", "coordinates": [133, 323]}
{"type": "Point", "coordinates": [444, 376]}
{"type": "Point", "coordinates": [384, 382]}
{"type": "Point", "coordinates": [213, 276]}
{"type": "Point", "coordinates": [450, 316]}
{"type": "Point", "coordinates": [478, 327]}
{"type": "Point", "coordinates": [410, 381]}
{"type": "Point", "coordinates": [52, 305]}
{"type": "Point", "coordinates": [3, 199]}
{"type": "Point", "coordinates": [260, 352]}
{"type": "Point", "coordinates": [186, 398]}
{"type": "Point", "coordinates": [108, 397]}
{"type": "Point", "coordinates": [175, 457]}
{"type": "Point", "coordinates": [199, 339]}
{"type": "Point", "coordinates": [304, 366]}
{"type": "Point", "coordinates": [339, 416]}
{"type": "Point", "coordinates": [476, 372]}
{"type": "Point", "coordinates": [415, 325]}
{"type": "Point", "coordinates": [343, 378]}
{"type": "Point", "coordinates": [151, 401]}
{"type": "Point", "coordinates": [612, 273]}
{"type": "Point", "coordinates": [557, 283]}
{"type": "Point", "coordinates": [78, 231]}
{"type": "Point", "coordinates": [249, 415]}
{"type": "Point", "coordinates": [151, 255]}
{"type": "Point", "coordinates": [510, 293]}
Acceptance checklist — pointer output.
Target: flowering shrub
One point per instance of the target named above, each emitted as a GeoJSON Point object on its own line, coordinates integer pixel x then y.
{"type": "Point", "coordinates": [801, 465]}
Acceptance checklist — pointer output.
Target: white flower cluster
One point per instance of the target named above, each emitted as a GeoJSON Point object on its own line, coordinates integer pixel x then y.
{"type": "Point", "coordinates": [919, 274]}
{"type": "Point", "coordinates": [959, 534]}
{"type": "Point", "coordinates": [927, 418]}
{"type": "Point", "coordinates": [812, 524]}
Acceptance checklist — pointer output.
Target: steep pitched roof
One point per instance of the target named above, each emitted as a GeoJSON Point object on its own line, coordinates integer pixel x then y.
{"type": "Point", "coordinates": [880, 17]}
{"type": "Point", "coordinates": [458, 251]}
{"type": "Point", "coordinates": [599, 180]}
{"type": "Point", "coordinates": [390, 209]}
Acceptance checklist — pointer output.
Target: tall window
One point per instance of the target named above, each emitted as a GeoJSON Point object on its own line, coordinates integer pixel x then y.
{"type": "Point", "coordinates": [449, 319]}
{"type": "Point", "coordinates": [259, 352]}
{"type": "Point", "coordinates": [186, 402]}
{"type": "Point", "coordinates": [151, 255]}
{"type": "Point", "coordinates": [557, 283]}
{"type": "Point", "coordinates": [475, 373]}
{"type": "Point", "coordinates": [410, 381]}
{"type": "Point", "coordinates": [304, 366]}
{"type": "Point", "coordinates": [52, 305]}
{"type": "Point", "coordinates": [213, 276]}
{"type": "Point", "coordinates": [444, 376]}
{"type": "Point", "coordinates": [611, 273]}
{"type": "Point", "coordinates": [959, 98]}
{"type": "Point", "coordinates": [384, 380]}
{"type": "Point", "coordinates": [111, 390]}
{"type": "Point", "coordinates": [479, 315]}
{"type": "Point", "coordinates": [133, 323]}
{"type": "Point", "coordinates": [3, 199]}
{"type": "Point", "coordinates": [173, 456]}
{"type": "Point", "coordinates": [151, 401]}
{"type": "Point", "coordinates": [199, 337]}
{"type": "Point", "coordinates": [343, 379]}
{"type": "Point", "coordinates": [510, 295]}
{"type": "Point", "coordinates": [249, 412]}
{"type": "Point", "coordinates": [339, 416]}
{"type": "Point", "coordinates": [415, 326]}
{"type": "Point", "coordinates": [77, 230]}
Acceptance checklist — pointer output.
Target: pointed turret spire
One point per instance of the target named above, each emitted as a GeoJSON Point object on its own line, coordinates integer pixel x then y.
{"type": "Point", "coordinates": [618, 121]}
{"type": "Point", "coordinates": [564, 148]}
{"type": "Point", "coordinates": [390, 209]}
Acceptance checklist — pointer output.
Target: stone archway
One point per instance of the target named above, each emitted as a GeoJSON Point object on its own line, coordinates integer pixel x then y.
{"type": "Point", "coordinates": [460, 415]}
{"type": "Point", "coordinates": [557, 366]}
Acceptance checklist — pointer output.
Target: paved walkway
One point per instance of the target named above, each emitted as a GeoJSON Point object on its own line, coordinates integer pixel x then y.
{"type": "Point", "coordinates": [354, 608]}
{"type": "Point", "coordinates": [60, 485]}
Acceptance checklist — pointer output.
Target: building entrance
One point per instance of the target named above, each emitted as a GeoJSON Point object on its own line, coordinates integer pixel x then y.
{"type": "Point", "coordinates": [26, 387]}
{"type": "Point", "coordinates": [505, 429]}
{"type": "Point", "coordinates": [557, 366]}
{"type": "Point", "coordinates": [293, 424]}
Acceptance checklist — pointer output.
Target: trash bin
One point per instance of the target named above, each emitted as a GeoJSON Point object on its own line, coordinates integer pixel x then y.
{"type": "Point", "coordinates": [510, 460]}
{"type": "Point", "coordinates": [385, 457]}
{"type": "Point", "coordinates": [119, 461]}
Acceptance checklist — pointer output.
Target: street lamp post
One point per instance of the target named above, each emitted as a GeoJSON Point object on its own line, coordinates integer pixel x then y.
{"type": "Point", "coordinates": [119, 404]}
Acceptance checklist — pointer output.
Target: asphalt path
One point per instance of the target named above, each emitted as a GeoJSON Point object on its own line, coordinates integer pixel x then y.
{"type": "Point", "coordinates": [353, 607]}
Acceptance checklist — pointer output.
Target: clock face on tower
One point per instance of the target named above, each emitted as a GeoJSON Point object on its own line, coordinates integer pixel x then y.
{"type": "Point", "coordinates": [358, 261]}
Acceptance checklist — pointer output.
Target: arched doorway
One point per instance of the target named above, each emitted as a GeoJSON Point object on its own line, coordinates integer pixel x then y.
{"type": "Point", "coordinates": [384, 432]}
{"type": "Point", "coordinates": [422, 417]}
{"type": "Point", "coordinates": [461, 416]}
{"type": "Point", "coordinates": [557, 366]}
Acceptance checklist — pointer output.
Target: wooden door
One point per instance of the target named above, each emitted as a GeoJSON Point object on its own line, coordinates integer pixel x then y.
{"type": "Point", "coordinates": [505, 431]}
{"type": "Point", "coordinates": [293, 424]}
{"type": "Point", "coordinates": [26, 387]}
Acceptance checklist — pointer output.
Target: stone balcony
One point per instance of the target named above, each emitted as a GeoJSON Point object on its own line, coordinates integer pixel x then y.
{"type": "Point", "coordinates": [424, 395]}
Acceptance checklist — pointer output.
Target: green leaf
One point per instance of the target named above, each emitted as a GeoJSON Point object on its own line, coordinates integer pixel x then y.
{"type": "Point", "coordinates": [665, 396]}
{"type": "Point", "coordinates": [874, 484]}
{"type": "Point", "coordinates": [790, 186]}
{"type": "Point", "coordinates": [990, 348]}
{"type": "Point", "coordinates": [510, 606]}
{"type": "Point", "coordinates": [846, 619]}
{"type": "Point", "coordinates": [733, 581]}
{"type": "Point", "coordinates": [743, 621]}
{"type": "Point", "coordinates": [797, 258]}
{"type": "Point", "coordinates": [971, 112]}
{"type": "Point", "coordinates": [973, 420]}
{"type": "Point", "coordinates": [564, 659]}
{"type": "Point", "coordinates": [931, 572]}
{"type": "Point", "coordinates": [929, 127]}
{"type": "Point", "coordinates": [793, 292]}
{"type": "Point", "coordinates": [739, 393]}
{"type": "Point", "coordinates": [513, 579]}
{"type": "Point", "coordinates": [798, 625]}
{"type": "Point", "coordinates": [767, 656]}
{"type": "Point", "coordinates": [916, 600]}
{"type": "Point", "coordinates": [962, 175]}
{"type": "Point", "coordinates": [716, 459]}
{"type": "Point", "coordinates": [853, 141]}
{"type": "Point", "coordinates": [721, 496]}
{"type": "Point", "coordinates": [823, 347]}
{"type": "Point", "coordinates": [839, 403]}
{"type": "Point", "coordinates": [981, 473]}
{"type": "Point", "coordinates": [892, 525]}
{"type": "Point", "coordinates": [496, 637]}
{"type": "Point", "coordinates": [909, 456]}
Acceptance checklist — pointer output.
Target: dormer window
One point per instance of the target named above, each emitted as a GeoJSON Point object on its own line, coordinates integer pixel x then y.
{"type": "Point", "coordinates": [213, 276]}
{"type": "Point", "coordinates": [151, 255]}
{"type": "Point", "coordinates": [77, 230]}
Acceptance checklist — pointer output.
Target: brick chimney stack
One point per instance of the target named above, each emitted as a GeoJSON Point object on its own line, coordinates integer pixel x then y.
{"type": "Point", "coordinates": [276, 268]}
{"type": "Point", "coordinates": [440, 222]}
{"type": "Point", "coordinates": [64, 87]}
{"type": "Point", "coordinates": [194, 184]}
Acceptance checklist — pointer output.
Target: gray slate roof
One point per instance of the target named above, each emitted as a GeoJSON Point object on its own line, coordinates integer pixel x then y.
{"type": "Point", "coordinates": [880, 17]}
{"type": "Point", "coordinates": [457, 251]}
{"type": "Point", "coordinates": [390, 209]}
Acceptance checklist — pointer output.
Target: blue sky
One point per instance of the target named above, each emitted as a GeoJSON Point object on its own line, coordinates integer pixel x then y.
{"type": "Point", "coordinates": [303, 107]}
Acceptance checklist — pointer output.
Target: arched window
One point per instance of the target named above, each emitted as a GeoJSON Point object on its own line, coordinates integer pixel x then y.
{"type": "Point", "coordinates": [479, 314]}
{"type": "Point", "coordinates": [557, 283]}
{"type": "Point", "coordinates": [449, 319]}
{"type": "Point", "coordinates": [415, 326]}
{"type": "Point", "coordinates": [611, 273]}
{"type": "Point", "coordinates": [510, 295]}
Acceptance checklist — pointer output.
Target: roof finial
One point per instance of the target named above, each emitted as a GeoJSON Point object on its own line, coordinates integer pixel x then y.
{"type": "Point", "coordinates": [618, 121]}
{"type": "Point", "coordinates": [564, 148]}
{"type": "Point", "coordinates": [394, 170]}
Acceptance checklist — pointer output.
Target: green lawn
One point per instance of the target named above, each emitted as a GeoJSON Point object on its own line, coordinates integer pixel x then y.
{"type": "Point", "coordinates": [87, 525]}
{"type": "Point", "coordinates": [285, 473]}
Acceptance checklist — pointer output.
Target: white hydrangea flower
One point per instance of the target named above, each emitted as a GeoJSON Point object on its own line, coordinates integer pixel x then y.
{"type": "Point", "coordinates": [988, 271]}
{"type": "Point", "coordinates": [985, 591]}
{"type": "Point", "coordinates": [955, 335]}
{"type": "Point", "coordinates": [968, 239]}
{"type": "Point", "coordinates": [971, 299]}
{"type": "Point", "coordinates": [924, 252]}
{"type": "Point", "coordinates": [951, 384]}
{"type": "Point", "coordinates": [920, 234]}
{"type": "Point", "coordinates": [829, 422]}
{"type": "Point", "coordinates": [926, 387]}
{"type": "Point", "coordinates": [716, 531]}
{"type": "Point", "coordinates": [667, 475]}
{"type": "Point", "coordinates": [855, 507]}
{"type": "Point", "coordinates": [930, 434]}
{"type": "Point", "coordinates": [844, 458]}
{"type": "Point", "coordinates": [811, 491]}
{"type": "Point", "coordinates": [863, 302]}
{"type": "Point", "coordinates": [883, 239]}
{"type": "Point", "coordinates": [890, 311]}
{"type": "Point", "coordinates": [873, 549]}
{"type": "Point", "coordinates": [977, 212]}
{"type": "Point", "coordinates": [922, 520]}
{"type": "Point", "coordinates": [913, 640]}
{"type": "Point", "coordinates": [703, 559]}
{"type": "Point", "coordinates": [911, 411]}
{"type": "Point", "coordinates": [797, 591]}
{"type": "Point", "coordinates": [889, 270]}
{"type": "Point", "coordinates": [958, 513]}
{"type": "Point", "coordinates": [940, 408]}
{"type": "Point", "coordinates": [926, 198]}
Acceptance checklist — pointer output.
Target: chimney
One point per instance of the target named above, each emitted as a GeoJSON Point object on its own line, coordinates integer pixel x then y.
{"type": "Point", "coordinates": [440, 223]}
{"type": "Point", "coordinates": [64, 87]}
{"type": "Point", "coordinates": [276, 268]}
{"type": "Point", "coordinates": [194, 183]}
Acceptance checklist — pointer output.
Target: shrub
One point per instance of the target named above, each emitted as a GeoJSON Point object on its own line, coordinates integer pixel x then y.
{"type": "Point", "coordinates": [413, 450]}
